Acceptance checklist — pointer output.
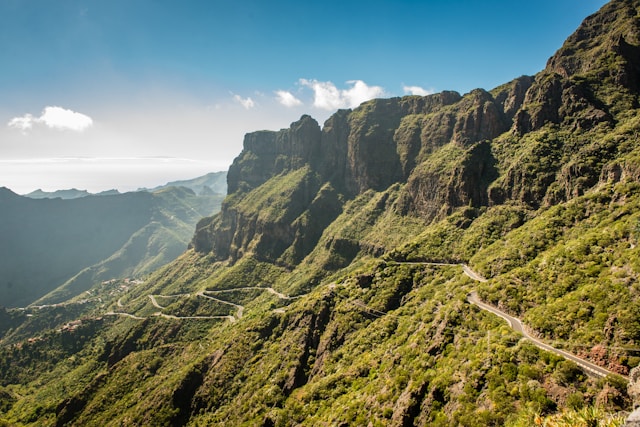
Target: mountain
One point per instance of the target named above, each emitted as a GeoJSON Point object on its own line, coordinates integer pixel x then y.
{"type": "Point", "coordinates": [72, 193]}
{"type": "Point", "coordinates": [67, 194]}
{"type": "Point", "coordinates": [211, 183]}
{"type": "Point", "coordinates": [53, 249]}
{"type": "Point", "coordinates": [334, 286]}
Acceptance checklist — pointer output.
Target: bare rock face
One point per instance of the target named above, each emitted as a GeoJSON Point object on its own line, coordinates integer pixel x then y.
{"type": "Point", "coordinates": [372, 158]}
{"type": "Point", "coordinates": [541, 104]}
{"type": "Point", "coordinates": [633, 388]}
{"type": "Point", "coordinates": [555, 99]}
{"type": "Point", "coordinates": [268, 153]}
{"type": "Point", "coordinates": [479, 117]}
{"type": "Point", "coordinates": [511, 95]}
{"type": "Point", "coordinates": [459, 173]}
{"type": "Point", "coordinates": [634, 419]}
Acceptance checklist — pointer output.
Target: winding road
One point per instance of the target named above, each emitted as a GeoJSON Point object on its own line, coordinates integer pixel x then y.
{"type": "Point", "coordinates": [240, 308]}
{"type": "Point", "coordinates": [203, 294]}
{"type": "Point", "coordinates": [517, 325]}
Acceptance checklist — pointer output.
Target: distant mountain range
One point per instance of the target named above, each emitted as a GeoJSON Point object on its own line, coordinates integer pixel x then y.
{"type": "Point", "coordinates": [209, 184]}
{"type": "Point", "coordinates": [72, 193]}
{"type": "Point", "coordinates": [55, 247]}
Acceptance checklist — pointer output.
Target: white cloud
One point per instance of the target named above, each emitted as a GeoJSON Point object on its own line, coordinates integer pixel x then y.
{"type": "Point", "coordinates": [417, 90]}
{"type": "Point", "coordinates": [287, 99]}
{"type": "Point", "coordinates": [247, 103]}
{"type": "Point", "coordinates": [23, 123]}
{"type": "Point", "coordinates": [61, 118]}
{"type": "Point", "coordinates": [54, 118]}
{"type": "Point", "coordinates": [327, 96]}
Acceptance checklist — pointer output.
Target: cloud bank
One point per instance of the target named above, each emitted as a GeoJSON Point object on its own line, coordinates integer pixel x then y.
{"type": "Point", "coordinates": [328, 97]}
{"type": "Point", "coordinates": [54, 118]}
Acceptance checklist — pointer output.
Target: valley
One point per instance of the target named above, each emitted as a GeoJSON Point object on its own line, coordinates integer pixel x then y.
{"type": "Point", "coordinates": [91, 238]}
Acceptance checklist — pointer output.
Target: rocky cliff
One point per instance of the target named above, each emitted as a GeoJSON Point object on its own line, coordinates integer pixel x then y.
{"type": "Point", "coordinates": [436, 144]}
{"type": "Point", "coordinates": [535, 140]}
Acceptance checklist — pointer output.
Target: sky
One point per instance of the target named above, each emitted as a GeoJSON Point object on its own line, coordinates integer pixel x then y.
{"type": "Point", "coordinates": [126, 94]}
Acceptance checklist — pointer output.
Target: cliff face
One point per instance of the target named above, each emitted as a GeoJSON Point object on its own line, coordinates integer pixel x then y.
{"type": "Point", "coordinates": [379, 144]}
{"type": "Point", "coordinates": [437, 146]}
{"type": "Point", "coordinates": [269, 153]}
{"type": "Point", "coordinates": [535, 140]}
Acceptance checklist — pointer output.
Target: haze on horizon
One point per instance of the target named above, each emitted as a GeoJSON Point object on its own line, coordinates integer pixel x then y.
{"type": "Point", "coordinates": [102, 95]}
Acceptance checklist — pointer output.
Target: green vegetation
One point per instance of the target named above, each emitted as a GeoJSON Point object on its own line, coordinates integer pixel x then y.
{"type": "Point", "coordinates": [54, 249]}
{"type": "Point", "coordinates": [329, 290]}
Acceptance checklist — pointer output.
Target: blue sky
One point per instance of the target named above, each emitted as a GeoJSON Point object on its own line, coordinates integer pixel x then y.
{"type": "Point", "coordinates": [131, 93]}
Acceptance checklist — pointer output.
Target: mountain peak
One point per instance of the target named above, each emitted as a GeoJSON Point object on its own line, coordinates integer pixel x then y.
{"type": "Point", "coordinates": [6, 193]}
{"type": "Point", "coordinates": [605, 45]}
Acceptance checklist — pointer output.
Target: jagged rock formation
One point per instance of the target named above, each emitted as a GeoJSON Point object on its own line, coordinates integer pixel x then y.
{"type": "Point", "coordinates": [381, 143]}
{"type": "Point", "coordinates": [447, 150]}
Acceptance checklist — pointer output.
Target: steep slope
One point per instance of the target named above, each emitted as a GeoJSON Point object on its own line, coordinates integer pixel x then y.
{"type": "Point", "coordinates": [211, 183]}
{"type": "Point", "coordinates": [328, 290]}
{"type": "Point", "coordinates": [50, 243]}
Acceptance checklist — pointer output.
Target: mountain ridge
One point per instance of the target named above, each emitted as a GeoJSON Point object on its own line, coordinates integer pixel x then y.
{"type": "Point", "coordinates": [77, 241]}
{"type": "Point", "coordinates": [533, 183]}
{"type": "Point", "coordinates": [211, 183]}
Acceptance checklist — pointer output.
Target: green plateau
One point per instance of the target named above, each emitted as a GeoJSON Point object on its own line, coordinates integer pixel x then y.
{"type": "Point", "coordinates": [332, 287]}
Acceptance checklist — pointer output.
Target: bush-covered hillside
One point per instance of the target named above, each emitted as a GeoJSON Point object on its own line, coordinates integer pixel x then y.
{"type": "Point", "coordinates": [330, 288]}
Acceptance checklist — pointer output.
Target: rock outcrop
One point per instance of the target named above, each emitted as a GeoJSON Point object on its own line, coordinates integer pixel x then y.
{"type": "Point", "coordinates": [379, 144]}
